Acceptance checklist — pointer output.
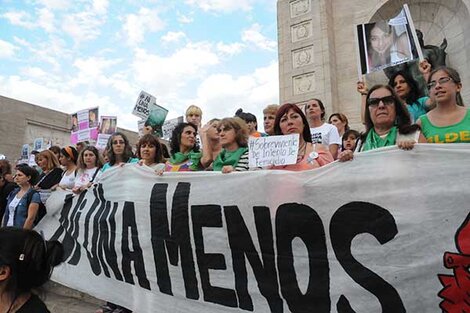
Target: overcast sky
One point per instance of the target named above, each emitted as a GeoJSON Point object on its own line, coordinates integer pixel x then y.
{"type": "Point", "coordinates": [72, 55]}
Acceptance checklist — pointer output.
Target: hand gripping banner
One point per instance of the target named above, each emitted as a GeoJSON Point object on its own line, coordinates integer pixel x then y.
{"type": "Point", "coordinates": [386, 232]}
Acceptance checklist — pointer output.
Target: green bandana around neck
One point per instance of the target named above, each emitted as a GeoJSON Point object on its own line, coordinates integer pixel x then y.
{"type": "Point", "coordinates": [194, 157]}
{"type": "Point", "coordinates": [228, 158]}
{"type": "Point", "coordinates": [374, 141]}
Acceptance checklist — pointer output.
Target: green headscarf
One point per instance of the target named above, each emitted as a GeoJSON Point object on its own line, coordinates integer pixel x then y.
{"type": "Point", "coordinates": [228, 158]}
{"type": "Point", "coordinates": [194, 157]}
{"type": "Point", "coordinates": [374, 141]}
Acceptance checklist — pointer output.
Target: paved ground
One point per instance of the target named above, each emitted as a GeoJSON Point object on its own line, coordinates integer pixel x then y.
{"type": "Point", "coordinates": [60, 299]}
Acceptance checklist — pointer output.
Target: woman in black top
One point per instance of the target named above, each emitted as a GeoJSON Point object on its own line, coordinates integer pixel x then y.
{"type": "Point", "coordinates": [26, 262]}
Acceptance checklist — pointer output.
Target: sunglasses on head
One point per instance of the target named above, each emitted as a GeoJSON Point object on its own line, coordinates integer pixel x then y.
{"type": "Point", "coordinates": [374, 102]}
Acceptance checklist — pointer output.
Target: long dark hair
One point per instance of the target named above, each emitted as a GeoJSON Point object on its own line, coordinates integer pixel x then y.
{"type": "Point", "coordinates": [403, 119]}
{"type": "Point", "coordinates": [414, 93]}
{"type": "Point", "coordinates": [29, 257]}
{"type": "Point", "coordinates": [176, 138]}
{"type": "Point", "coordinates": [127, 154]}
{"type": "Point", "coordinates": [284, 109]}
{"type": "Point", "coordinates": [454, 75]}
{"type": "Point", "coordinates": [153, 140]}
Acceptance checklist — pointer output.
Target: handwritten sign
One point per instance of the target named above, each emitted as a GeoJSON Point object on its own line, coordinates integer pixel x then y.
{"type": "Point", "coordinates": [169, 125]}
{"type": "Point", "coordinates": [102, 141]}
{"type": "Point", "coordinates": [273, 150]}
{"type": "Point", "coordinates": [145, 102]}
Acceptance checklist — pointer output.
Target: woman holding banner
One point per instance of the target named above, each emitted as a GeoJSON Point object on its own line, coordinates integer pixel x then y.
{"type": "Point", "coordinates": [119, 151]}
{"type": "Point", "coordinates": [68, 159]}
{"type": "Point", "coordinates": [233, 134]}
{"type": "Point", "coordinates": [185, 155]}
{"type": "Point", "coordinates": [89, 163]}
{"type": "Point", "coordinates": [387, 123]}
{"type": "Point", "coordinates": [291, 120]}
{"type": "Point", "coordinates": [449, 122]}
{"type": "Point", "coordinates": [149, 151]}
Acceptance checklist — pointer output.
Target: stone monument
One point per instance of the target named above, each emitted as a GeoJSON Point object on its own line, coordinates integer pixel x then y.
{"type": "Point", "coordinates": [317, 46]}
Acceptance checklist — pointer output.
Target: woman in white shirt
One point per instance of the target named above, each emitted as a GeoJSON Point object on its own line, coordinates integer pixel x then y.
{"type": "Point", "coordinates": [68, 159]}
{"type": "Point", "coordinates": [89, 165]}
{"type": "Point", "coordinates": [323, 133]}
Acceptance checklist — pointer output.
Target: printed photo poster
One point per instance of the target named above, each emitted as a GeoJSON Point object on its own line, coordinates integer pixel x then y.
{"type": "Point", "coordinates": [108, 125]}
{"type": "Point", "coordinates": [38, 144]}
{"type": "Point", "coordinates": [84, 125]}
{"type": "Point", "coordinates": [386, 43]}
{"type": "Point", "coordinates": [25, 152]}
{"type": "Point", "coordinates": [169, 125]}
{"type": "Point", "coordinates": [145, 102]}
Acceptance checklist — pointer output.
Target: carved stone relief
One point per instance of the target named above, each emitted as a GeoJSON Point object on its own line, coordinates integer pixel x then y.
{"type": "Point", "coordinates": [302, 57]}
{"type": "Point", "coordinates": [304, 83]}
{"type": "Point", "coordinates": [299, 7]}
{"type": "Point", "coordinates": [301, 31]}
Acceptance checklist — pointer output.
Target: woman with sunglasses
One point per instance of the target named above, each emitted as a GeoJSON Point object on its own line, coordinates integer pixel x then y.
{"type": "Point", "coordinates": [449, 122]}
{"type": "Point", "coordinates": [291, 120]}
{"type": "Point", "coordinates": [407, 90]}
{"type": "Point", "coordinates": [233, 136]}
{"type": "Point", "coordinates": [387, 123]}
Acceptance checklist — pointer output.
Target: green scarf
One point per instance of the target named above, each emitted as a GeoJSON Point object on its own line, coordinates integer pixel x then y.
{"type": "Point", "coordinates": [228, 158]}
{"type": "Point", "coordinates": [373, 141]}
{"type": "Point", "coordinates": [193, 157]}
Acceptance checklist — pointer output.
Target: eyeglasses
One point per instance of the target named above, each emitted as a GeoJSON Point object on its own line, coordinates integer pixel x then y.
{"type": "Point", "coordinates": [374, 102]}
{"type": "Point", "coordinates": [118, 142]}
{"type": "Point", "coordinates": [441, 81]}
{"type": "Point", "coordinates": [223, 129]}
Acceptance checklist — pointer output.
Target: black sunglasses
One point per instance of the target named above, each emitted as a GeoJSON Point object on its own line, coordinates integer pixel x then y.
{"type": "Point", "coordinates": [374, 102]}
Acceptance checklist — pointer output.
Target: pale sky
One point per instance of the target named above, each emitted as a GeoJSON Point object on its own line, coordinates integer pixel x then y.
{"type": "Point", "coordinates": [72, 55]}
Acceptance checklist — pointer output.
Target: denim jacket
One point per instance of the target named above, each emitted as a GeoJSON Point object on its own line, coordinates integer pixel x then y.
{"type": "Point", "coordinates": [22, 208]}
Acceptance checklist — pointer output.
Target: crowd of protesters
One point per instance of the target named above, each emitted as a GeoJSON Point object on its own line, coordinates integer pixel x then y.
{"type": "Point", "coordinates": [394, 114]}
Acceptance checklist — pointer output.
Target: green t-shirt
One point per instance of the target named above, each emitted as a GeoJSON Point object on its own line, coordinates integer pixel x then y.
{"type": "Point", "coordinates": [457, 133]}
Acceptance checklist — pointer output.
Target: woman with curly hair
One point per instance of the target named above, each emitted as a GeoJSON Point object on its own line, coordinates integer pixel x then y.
{"type": "Point", "coordinates": [184, 150]}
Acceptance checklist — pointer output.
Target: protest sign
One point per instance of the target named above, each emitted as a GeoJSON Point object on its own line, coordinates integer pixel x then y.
{"type": "Point", "coordinates": [377, 234]}
{"type": "Point", "coordinates": [386, 43]}
{"type": "Point", "coordinates": [25, 152]}
{"type": "Point", "coordinates": [169, 125]}
{"type": "Point", "coordinates": [108, 125]}
{"type": "Point", "coordinates": [273, 150]}
{"type": "Point", "coordinates": [102, 141]}
{"type": "Point", "coordinates": [145, 102]}
{"type": "Point", "coordinates": [84, 125]}
{"type": "Point", "coordinates": [140, 127]}
{"type": "Point", "coordinates": [38, 144]}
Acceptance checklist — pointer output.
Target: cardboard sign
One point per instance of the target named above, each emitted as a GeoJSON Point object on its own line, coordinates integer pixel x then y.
{"type": "Point", "coordinates": [38, 144]}
{"type": "Point", "coordinates": [169, 125]}
{"type": "Point", "coordinates": [84, 125]}
{"type": "Point", "coordinates": [102, 141]}
{"type": "Point", "coordinates": [273, 150]}
{"type": "Point", "coordinates": [108, 125]}
{"type": "Point", "coordinates": [145, 102]}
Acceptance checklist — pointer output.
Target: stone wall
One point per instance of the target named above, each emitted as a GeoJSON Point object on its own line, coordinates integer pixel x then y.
{"type": "Point", "coordinates": [21, 123]}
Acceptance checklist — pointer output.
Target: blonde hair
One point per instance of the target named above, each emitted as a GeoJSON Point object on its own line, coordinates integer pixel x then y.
{"type": "Point", "coordinates": [271, 109]}
{"type": "Point", "coordinates": [193, 109]}
{"type": "Point", "coordinates": [52, 160]}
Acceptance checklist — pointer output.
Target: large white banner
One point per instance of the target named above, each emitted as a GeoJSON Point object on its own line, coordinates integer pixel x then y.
{"type": "Point", "coordinates": [368, 235]}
